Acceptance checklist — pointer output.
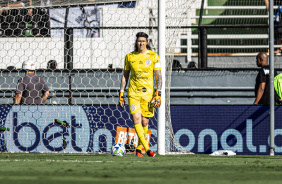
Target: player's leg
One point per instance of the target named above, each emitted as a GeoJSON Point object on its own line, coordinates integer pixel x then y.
{"type": "Point", "coordinates": [135, 111]}
{"type": "Point", "coordinates": [147, 111]}
{"type": "Point", "coordinates": [137, 118]}
{"type": "Point", "coordinates": [145, 122]}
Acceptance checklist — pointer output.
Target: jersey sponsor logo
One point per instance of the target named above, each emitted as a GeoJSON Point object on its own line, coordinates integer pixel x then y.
{"type": "Point", "coordinates": [144, 90]}
{"type": "Point", "coordinates": [138, 73]}
{"type": "Point", "coordinates": [142, 78]}
{"type": "Point", "coordinates": [148, 62]}
{"type": "Point", "coordinates": [132, 107]}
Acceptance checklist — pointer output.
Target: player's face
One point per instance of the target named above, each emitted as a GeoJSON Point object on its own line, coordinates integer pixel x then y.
{"type": "Point", "coordinates": [142, 44]}
{"type": "Point", "coordinates": [258, 61]}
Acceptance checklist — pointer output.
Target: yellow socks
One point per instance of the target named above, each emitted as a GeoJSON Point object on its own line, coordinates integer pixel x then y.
{"type": "Point", "coordinates": [139, 147]}
{"type": "Point", "coordinates": [141, 135]}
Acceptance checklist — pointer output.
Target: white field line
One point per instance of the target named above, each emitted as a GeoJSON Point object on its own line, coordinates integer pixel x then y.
{"type": "Point", "coordinates": [27, 160]}
{"type": "Point", "coordinates": [48, 160]}
{"type": "Point", "coordinates": [231, 36]}
{"type": "Point", "coordinates": [236, 46]}
{"type": "Point", "coordinates": [238, 7]}
{"type": "Point", "coordinates": [231, 16]}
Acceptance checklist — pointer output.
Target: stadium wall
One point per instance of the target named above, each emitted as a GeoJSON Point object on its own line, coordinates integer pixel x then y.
{"type": "Point", "coordinates": [191, 87]}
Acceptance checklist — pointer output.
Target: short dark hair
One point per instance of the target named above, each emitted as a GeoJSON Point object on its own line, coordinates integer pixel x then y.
{"type": "Point", "coordinates": [141, 34]}
{"type": "Point", "coordinates": [176, 64]}
{"type": "Point", "coordinates": [192, 64]}
{"type": "Point", "coordinates": [11, 68]}
{"type": "Point", "coordinates": [52, 64]}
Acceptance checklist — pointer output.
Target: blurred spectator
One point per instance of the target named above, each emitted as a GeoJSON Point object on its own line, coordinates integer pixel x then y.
{"type": "Point", "coordinates": [275, 3]}
{"type": "Point", "coordinates": [52, 64]}
{"type": "Point", "coordinates": [24, 22]}
{"type": "Point", "coordinates": [31, 89]}
{"type": "Point", "coordinates": [45, 3]}
{"type": "Point", "coordinates": [110, 66]}
{"type": "Point", "coordinates": [11, 68]}
{"type": "Point", "coordinates": [262, 88]}
{"type": "Point", "coordinates": [176, 65]}
{"type": "Point", "coordinates": [192, 65]}
{"type": "Point", "coordinates": [41, 19]}
{"type": "Point", "coordinates": [16, 3]}
{"type": "Point", "coordinates": [13, 19]}
{"type": "Point", "coordinates": [278, 31]}
{"type": "Point", "coordinates": [266, 4]}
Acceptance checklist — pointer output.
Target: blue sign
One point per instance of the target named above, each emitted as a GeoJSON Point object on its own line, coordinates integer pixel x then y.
{"type": "Point", "coordinates": [242, 129]}
{"type": "Point", "coordinates": [200, 129]}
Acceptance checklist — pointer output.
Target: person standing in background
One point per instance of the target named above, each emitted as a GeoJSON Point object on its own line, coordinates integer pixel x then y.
{"type": "Point", "coordinates": [262, 89]}
{"type": "Point", "coordinates": [31, 89]}
{"type": "Point", "coordinates": [277, 32]}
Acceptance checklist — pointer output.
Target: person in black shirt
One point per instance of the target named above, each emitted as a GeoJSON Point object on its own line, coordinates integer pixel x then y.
{"type": "Point", "coordinates": [262, 88]}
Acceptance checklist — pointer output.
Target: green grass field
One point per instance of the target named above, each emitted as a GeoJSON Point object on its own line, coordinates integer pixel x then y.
{"type": "Point", "coordinates": [104, 168]}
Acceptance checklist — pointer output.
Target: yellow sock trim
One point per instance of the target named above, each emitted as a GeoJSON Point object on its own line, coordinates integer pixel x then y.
{"type": "Point", "coordinates": [141, 135]}
{"type": "Point", "coordinates": [139, 147]}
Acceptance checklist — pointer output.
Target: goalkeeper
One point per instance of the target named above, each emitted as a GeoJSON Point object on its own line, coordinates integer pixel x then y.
{"type": "Point", "coordinates": [142, 63]}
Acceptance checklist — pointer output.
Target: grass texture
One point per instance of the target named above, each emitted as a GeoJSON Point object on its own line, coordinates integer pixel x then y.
{"type": "Point", "coordinates": [171, 169]}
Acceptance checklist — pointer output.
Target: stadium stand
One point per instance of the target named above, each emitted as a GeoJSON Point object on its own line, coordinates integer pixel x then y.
{"type": "Point", "coordinates": [224, 42]}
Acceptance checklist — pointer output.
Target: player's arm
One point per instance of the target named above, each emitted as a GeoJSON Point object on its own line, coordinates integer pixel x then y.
{"type": "Point", "coordinates": [45, 96]}
{"type": "Point", "coordinates": [15, 5]}
{"type": "Point", "coordinates": [17, 99]}
{"type": "Point", "coordinates": [266, 4]}
{"type": "Point", "coordinates": [45, 91]}
{"type": "Point", "coordinates": [156, 101]}
{"type": "Point", "coordinates": [123, 84]}
{"type": "Point", "coordinates": [158, 76]}
{"type": "Point", "coordinates": [19, 92]}
{"type": "Point", "coordinates": [124, 79]}
{"type": "Point", "coordinates": [260, 92]}
{"type": "Point", "coordinates": [6, 9]}
{"type": "Point", "coordinates": [30, 10]}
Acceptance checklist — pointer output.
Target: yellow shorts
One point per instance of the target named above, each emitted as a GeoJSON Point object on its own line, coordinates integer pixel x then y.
{"type": "Point", "coordinates": [141, 104]}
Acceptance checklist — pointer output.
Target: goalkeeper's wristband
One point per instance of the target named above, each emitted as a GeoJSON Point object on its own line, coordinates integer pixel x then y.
{"type": "Point", "coordinates": [121, 99]}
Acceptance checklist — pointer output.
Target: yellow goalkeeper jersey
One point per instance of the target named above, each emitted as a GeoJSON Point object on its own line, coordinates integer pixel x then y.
{"type": "Point", "coordinates": [142, 68]}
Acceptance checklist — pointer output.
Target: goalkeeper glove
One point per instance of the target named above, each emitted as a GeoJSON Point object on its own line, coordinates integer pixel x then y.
{"type": "Point", "coordinates": [121, 101]}
{"type": "Point", "coordinates": [156, 101]}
